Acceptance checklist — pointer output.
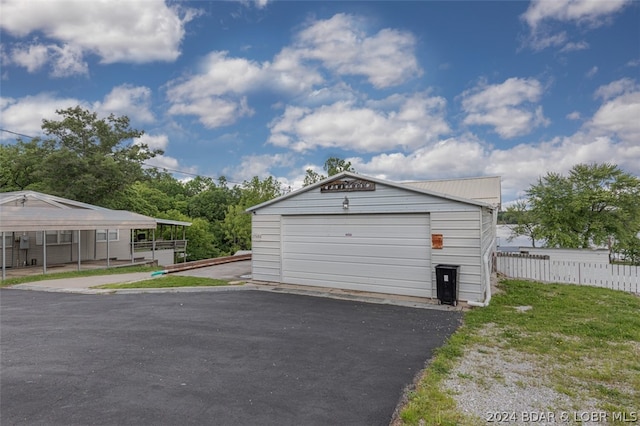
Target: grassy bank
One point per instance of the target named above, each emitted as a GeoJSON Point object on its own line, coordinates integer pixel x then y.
{"type": "Point", "coordinates": [76, 274]}
{"type": "Point", "coordinates": [583, 344]}
{"type": "Point", "coordinates": [168, 281]}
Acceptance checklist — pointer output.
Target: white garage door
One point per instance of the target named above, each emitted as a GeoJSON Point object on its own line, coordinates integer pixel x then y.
{"type": "Point", "coordinates": [385, 253]}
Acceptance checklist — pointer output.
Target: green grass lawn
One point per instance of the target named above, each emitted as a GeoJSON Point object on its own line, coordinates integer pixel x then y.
{"type": "Point", "coordinates": [168, 281]}
{"type": "Point", "coordinates": [585, 341]}
{"type": "Point", "coordinates": [75, 274]}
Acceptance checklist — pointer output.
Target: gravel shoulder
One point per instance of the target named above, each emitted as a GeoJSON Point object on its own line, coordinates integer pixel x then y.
{"type": "Point", "coordinates": [492, 383]}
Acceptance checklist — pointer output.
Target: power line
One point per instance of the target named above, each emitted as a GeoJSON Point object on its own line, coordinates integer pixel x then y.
{"type": "Point", "coordinates": [18, 134]}
{"type": "Point", "coordinates": [146, 164]}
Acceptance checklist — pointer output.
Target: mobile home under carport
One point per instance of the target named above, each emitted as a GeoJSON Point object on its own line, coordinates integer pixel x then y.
{"type": "Point", "coordinates": [360, 233]}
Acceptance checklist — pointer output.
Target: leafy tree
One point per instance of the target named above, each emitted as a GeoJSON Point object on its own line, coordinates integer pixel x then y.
{"type": "Point", "coordinates": [20, 164]}
{"type": "Point", "coordinates": [199, 244]}
{"type": "Point", "coordinates": [237, 223]}
{"type": "Point", "coordinates": [312, 177]}
{"type": "Point", "coordinates": [332, 166]}
{"type": "Point", "coordinates": [335, 165]}
{"type": "Point", "coordinates": [212, 201]}
{"type": "Point", "coordinates": [594, 204]}
{"type": "Point", "coordinates": [522, 222]}
{"type": "Point", "coordinates": [92, 160]}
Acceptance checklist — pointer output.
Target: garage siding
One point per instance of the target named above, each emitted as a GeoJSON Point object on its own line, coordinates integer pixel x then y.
{"type": "Point", "coordinates": [385, 253]}
{"type": "Point", "coordinates": [383, 200]}
{"type": "Point", "coordinates": [461, 246]}
{"type": "Point", "coordinates": [300, 259]}
{"type": "Point", "coordinates": [265, 237]}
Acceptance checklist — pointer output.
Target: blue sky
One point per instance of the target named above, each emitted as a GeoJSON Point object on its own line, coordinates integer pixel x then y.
{"type": "Point", "coordinates": [410, 90]}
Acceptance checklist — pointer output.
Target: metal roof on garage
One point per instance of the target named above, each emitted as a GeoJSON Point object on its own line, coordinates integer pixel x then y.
{"type": "Point", "coordinates": [486, 188]}
{"type": "Point", "coordinates": [35, 211]}
{"type": "Point", "coordinates": [419, 187]}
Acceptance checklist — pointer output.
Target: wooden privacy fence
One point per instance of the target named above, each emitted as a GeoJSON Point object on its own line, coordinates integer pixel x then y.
{"type": "Point", "coordinates": [542, 268]}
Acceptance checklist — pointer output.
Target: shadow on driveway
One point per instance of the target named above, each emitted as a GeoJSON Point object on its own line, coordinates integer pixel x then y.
{"type": "Point", "coordinates": [233, 358]}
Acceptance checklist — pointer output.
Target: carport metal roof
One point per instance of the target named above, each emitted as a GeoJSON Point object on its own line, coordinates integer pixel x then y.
{"type": "Point", "coordinates": [35, 211]}
{"type": "Point", "coordinates": [43, 219]}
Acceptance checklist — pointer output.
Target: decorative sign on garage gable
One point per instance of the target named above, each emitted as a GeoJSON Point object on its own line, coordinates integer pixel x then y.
{"type": "Point", "coordinates": [348, 185]}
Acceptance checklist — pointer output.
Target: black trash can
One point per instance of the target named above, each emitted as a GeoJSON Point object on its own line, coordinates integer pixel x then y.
{"type": "Point", "coordinates": [447, 284]}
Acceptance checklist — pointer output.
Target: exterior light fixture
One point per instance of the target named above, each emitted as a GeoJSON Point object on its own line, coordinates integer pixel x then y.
{"type": "Point", "coordinates": [345, 203]}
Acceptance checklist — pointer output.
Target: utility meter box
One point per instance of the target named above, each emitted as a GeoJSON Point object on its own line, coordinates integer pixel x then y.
{"type": "Point", "coordinates": [24, 242]}
{"type": "Point", "coordinates": [447, 283]}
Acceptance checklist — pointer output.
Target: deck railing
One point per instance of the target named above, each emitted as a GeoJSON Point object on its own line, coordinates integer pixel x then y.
{"type": "Point", "coordinates": [175, 245]}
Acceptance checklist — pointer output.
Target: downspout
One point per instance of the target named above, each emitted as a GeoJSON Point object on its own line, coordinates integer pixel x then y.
{"type": "Point", "coordinates": [486, 258]}
{"type": "Point", "coordinates": [487, 276]}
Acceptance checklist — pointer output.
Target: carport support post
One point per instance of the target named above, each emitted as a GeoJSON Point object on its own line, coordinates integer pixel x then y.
{"type": "Point", "coordinates": [108, 248]}
{"type": "Point", "coordinates": [184, 238]}
{"type": "Point", "coordinates": [4, 258]}
{"type": "Point", "coordinates": [78, 250]}
{"type": "Point", "coordinates": [44, 252]}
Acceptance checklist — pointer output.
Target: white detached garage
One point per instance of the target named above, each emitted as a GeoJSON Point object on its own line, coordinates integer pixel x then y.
{"type": "Point", "coordinates": [360, 233]}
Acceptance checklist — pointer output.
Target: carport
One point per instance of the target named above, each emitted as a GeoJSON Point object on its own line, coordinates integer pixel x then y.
{"type": "Point", "coordinates": [28, 219]}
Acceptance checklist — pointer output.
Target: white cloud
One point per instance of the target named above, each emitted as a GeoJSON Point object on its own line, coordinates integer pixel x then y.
{"type": "Point", "coordinates": [32, 57]}
{"type": "Point", "coordinates": [154, 141]}
{"type": "Point", "coordinates": [543, 41]}
{"type": "Point", "coordinates": [588, 12]}
{"type": "Point", "coordinates": [519, 166]}
{"type": "Point", "coordinates": [574, 46]}
{"type": "Point", "coordinates": [615, 88]}
{"type": "Point", "coordinates": [415, 121]}
{"type": "Point", "coordinates": [592, 72]}
{"type": "Point", "coordinates": [289, 73]}
{"type": "Point", "coordinates": [258, 165]}
{"type": "Point", "coordinates": [217, 93]}
{"type": "Point", "coordinates": [619, 116]}
{"type": "Point", "coordinates": [385, 58]}
{"type": "Point", "coordinates": [116, 31]}
{"type": "Point", "coordinates": [168, 163]}
{"type": "Point", "coordinates": [454, 157]}
{"type": "Point", "coordinates": [64, 61]}
{"type": "Point", "coordinates": [509, 107]}
{"type": "Point", "coordinates": [129, 100]}
{"type": "Point", "coordinates": [25, 115]}
{"type": "Point", "coordinates": [610, 135]}
{"type": "Point", "coordinates": [544, 16]}
{"type": "Point", "coordinates": [161, 142]}
{"type": "Point", "coordinates": [213, 112]}
{"type": "Point", "coordinates": [220, 75]}
{"type": "Point", "coordinates": [67, 60]}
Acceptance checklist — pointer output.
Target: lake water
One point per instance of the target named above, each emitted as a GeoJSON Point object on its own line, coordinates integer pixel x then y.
{"type": "Point", "coordinates": [503, 233]}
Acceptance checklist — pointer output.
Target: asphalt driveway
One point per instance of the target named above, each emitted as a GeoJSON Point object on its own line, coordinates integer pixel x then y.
{"type": "Point", "coordinates": [232, 358]}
